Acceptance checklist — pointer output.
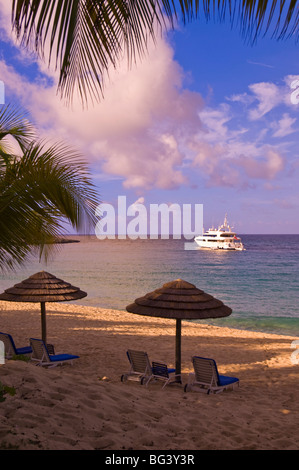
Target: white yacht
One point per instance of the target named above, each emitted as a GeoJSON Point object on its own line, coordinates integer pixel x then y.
{"type": "Point", "coordinates": [223, 238]}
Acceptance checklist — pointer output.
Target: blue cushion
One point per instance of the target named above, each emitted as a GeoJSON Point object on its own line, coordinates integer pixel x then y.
{"type": "Point", "coordinates": [25, 350]}
{"type": "Point", "coordinates": [224, 380]}
{"type": "Point", "coordinates": [161, 370]}
{"type": "Point", "coordinates": [62, 357]}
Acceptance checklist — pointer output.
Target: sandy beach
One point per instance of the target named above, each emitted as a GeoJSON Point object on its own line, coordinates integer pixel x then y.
{"type": "Point", "coordinates": [87, 407]}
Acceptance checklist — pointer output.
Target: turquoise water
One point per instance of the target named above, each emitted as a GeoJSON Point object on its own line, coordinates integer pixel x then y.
{"type": "Point", "coordinates": [260, 284]}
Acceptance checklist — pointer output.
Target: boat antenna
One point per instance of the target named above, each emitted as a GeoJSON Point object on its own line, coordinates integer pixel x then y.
{"type": "Point", "coordinates": [225, 221]}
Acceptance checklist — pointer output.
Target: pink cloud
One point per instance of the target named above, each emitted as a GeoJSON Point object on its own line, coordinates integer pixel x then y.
{"type": "Point", "coordinates": [267, 167]}
{"type": "Point", "coordinates": [226, 157]}
{"type": "Point", "coordinates": [137, 132]}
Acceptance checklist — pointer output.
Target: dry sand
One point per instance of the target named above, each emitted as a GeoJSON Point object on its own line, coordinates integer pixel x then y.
{"type": "Point", "coordinates": [86, 406]}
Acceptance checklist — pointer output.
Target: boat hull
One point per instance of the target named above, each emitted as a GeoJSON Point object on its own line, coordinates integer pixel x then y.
{"type": "Point", "coordinates": [222, 248]}
{"type": "Point", "coordinates": [218, 244]}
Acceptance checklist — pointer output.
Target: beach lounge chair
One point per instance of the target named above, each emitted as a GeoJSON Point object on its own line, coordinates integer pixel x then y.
{"type": "Point", "coordinates": [206, 377]}
{"type": "Point", "coordinates": [160, 371]}
{"type": "Point", "coordinates": [42, 357]}
{"type": "Point", "coordinates": [140, 366]}
{"type": "Point", "coordinates": [10, 347]}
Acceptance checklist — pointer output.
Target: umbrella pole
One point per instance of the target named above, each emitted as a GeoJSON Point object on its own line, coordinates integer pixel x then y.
{"type": "Point", "coordinates": [178, 348]}
{"type": "Point", "coordinates": [43, 319]}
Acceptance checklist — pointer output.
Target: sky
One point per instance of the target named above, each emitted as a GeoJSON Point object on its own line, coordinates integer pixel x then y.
{"type": "Point", "coordinates": [205, 118]}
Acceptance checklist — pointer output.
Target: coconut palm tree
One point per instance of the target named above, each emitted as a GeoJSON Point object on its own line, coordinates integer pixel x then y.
{"type": "Point", "coordinates": [87, 37]}
{"type": "Point", "coordinates": [40, 188]}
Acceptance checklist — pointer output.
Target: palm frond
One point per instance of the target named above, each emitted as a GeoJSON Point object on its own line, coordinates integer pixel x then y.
{"type": "Point", "coordinates": [39, 191]}
{"type": "Point", "coordinates": [87, 37]}
{"type": "Point", "coordinates": [280, 18]}
{"type": "Point", "coordinates": [14, 123]}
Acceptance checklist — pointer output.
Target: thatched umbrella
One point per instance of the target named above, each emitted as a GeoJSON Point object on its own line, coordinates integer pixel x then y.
{"type": "Point", "coordinates": [42, 287]}
{"type": "Point", "coordinates": [180, 300]}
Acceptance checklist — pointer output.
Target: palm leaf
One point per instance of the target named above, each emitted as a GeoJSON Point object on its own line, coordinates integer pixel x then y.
{"type": "Point", "coordinates": [87, 37]}
{"type": "Point", "coordinates": [37, 193]}
{"type": "Point", "coordinates": [13, 122]}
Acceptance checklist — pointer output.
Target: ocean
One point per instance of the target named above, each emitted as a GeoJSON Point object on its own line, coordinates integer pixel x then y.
{"type": "Point", "coordinates": [261, 284]}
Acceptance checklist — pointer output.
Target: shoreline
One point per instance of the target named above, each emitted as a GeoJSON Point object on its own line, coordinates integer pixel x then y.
{"type": "Point", "coordinates": [86, 406]}
{"type": "Point", "coordinates": [213, 322]}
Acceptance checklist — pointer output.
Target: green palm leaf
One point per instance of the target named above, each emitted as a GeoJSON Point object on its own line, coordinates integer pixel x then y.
{"type": "Point", "coordinates": [39, 191]}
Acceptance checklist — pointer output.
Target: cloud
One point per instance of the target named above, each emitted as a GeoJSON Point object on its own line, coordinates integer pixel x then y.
{"type": "Point", "coordinates": [284, 126]}
{"type": "Point", "coordinates": [138, 132]}
{"type": "Point", "coordinates": [265, 168]}
{"type": "Point", "coordinates": [214, 121]}
{"type": "Point", "coordinates": [244, 98]}
{"type": "Point", "coordinates": [268, 95]}
{"type": "Point", "coordinates": [285, 204]}
{"type": "Point", "coordinates": [5, 21]}
{"type": "Point", "coordinates": [237, 164]}
{"type": "Point", "coordinates": [226, 156]}
{"type": "Point", "coordinates": [150, 132]}
{"type": "Point", "coordinates": [263, 97]}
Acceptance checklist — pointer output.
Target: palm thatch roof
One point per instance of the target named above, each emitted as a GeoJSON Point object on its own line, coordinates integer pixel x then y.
{"type": "Point", "coordinates": [42, 287]}
{"type": "Point", "coordinates": [179, 299]}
